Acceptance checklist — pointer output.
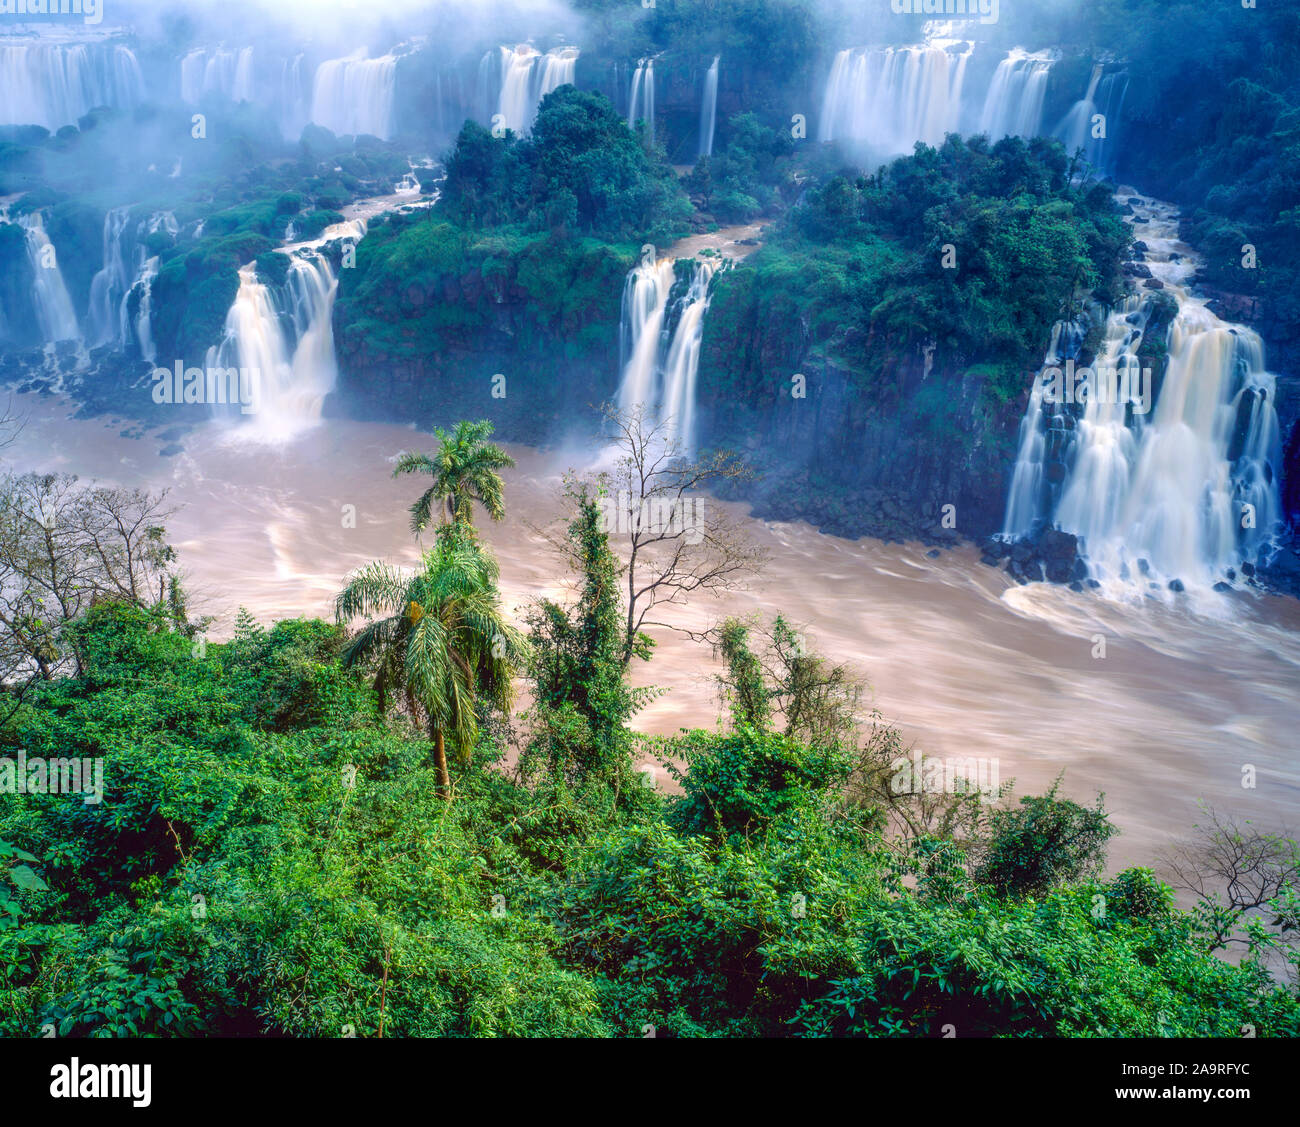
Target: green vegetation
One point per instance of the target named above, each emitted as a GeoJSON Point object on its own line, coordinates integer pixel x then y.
{"type": "Point", "coordinates": [245, 185]}
{"type": "Point", "coordinates": [522, 264]}
{"type": "Point", "coordinates": [464, 470]}
{"type": "Point", "coordinates": [278, 852]}
{"type": "Point", "coordinates": [751, 176]}
{"type": "Point", "coordinates": [581, 170]}
{"type": "Point", "coordinates": [864, 264]}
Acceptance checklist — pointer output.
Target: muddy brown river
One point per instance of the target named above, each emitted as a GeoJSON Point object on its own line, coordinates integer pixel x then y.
{"type": "Point", "coordinates": [965, 662]}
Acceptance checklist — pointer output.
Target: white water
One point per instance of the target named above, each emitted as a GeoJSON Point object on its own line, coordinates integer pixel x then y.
{"type": "Point", "coordinates": [1014, 104]}
{"type": "Point", "coordinates": [109, 320]}
{"type": "Point", "coordinates": [222, 72]}
{"type": "Point", "coordinates": [1166, 496]}
{"type": "Point", "coordinates": [659, 370]}
{"type": "Point", "coordinates": [1025, 502]}
{"type": "Point", "coordinates": [645, 301]}
{"type": "Point", "coordinates": [355, 95]}
{"type": "Point", "coordinates": [53, 84]}
{"type": "Point", "coordinates": [641, 100]}
{"type": "Point", "coordinates": [292, 102]}
{"type": "Point", "coordinates": [109, 285]}
{"type": "Point", "coordinates": [526, 76]}
{"type": "Point", "coordinates": [677, 409]}
{"type": "Point", "coordinates": [1105, 98]}
{"type": "Point", "coordinates": [963, 660]}
{"type": "Point", "coordinates": [891, 97]}
{"type": "Point", "coordinates": [54, 312]}
{"type": "Point", "coordinates": [283, 340]}
{"type": "Point", "coordinates": [709, 110]}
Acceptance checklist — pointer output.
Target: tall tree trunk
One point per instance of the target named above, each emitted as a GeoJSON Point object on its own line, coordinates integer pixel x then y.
{"type": "Point", "coordinates": [440, 761]}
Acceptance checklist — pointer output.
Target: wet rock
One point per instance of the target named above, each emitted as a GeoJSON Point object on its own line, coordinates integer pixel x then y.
{"type": "Point", "coordinates": [1077, 588]}
{"type": "Point", "coordinates": [1153, 284]}
{"type": "Point", "coordinates": [933, 554]}
{"type": "Point", "coordinates": [1058, 571]}
{"type": "Point", "coordinates": [1221, 586]}
{"type": "Point", "coordinates": [1137, 270]}
{"type": "Point", "coordinates": [1144, 567]}
{"type": "Point", "coordinates": [1176, 585]}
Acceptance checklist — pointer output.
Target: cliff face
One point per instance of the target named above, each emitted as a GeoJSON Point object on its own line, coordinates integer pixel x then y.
{"type": "Point", "coordinates": [882, 458]}
{"type": "Point", "coordinates": [853, 456]}
{"type": "Point", "coordinates": [476, 342]}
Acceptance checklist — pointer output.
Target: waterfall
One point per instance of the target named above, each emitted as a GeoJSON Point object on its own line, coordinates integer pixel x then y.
{"type": "Point", "coordinates": [709, 109]}
{"type": "Point", "coordinates": [294, 112]}
{"type": "Point", "coordinates": [526, 77]}
{"type": "Point", "coordinates": [659, 371]}
{"type": "Point", "coordinates": [1032, 490]}
{"type": "Point", "coordinates": [1184, 488]}
{"type": "Point", "coordinates": [54, 311]}
{"type": "Point", "coordinates": [127, 264]}
{"type": "Point", "coordinates": [144, 311]}
{"type": "Point", "coordinates": [677, 410]}
{"type": "Point", "coordinates": [645, 301]}
{"type": "Point", "coordinates": [53, 85]}
{"type": "Point", "coordinates": [1105, 95]}
{"type": "Point", "coordinates": [892, 97]}
{"type": "Point", "coordinates": [110, 283]}
{"type": "Point", "coordinates": [222, 72]}
{"type": "Point", "coordinates": [1014, 105]}
{"type": "Point", "coordinates": [355, 95]}
{"type": "Point", "coordinates": [641, 101]}
{"type": "Point", "coordinates": [282, 340]}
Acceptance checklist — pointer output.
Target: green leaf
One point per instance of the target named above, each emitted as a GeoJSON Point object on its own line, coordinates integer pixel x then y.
{"type": "Point", "coordinates": [25, 877]}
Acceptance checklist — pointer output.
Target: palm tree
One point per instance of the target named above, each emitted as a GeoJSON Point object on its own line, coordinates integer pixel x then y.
{"type": "Point", "coordinates": [437, 636]}
{"type": "Point", "coordinates": [464, 470]}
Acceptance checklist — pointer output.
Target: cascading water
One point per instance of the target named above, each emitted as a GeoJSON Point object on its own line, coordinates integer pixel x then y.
{"type": "Point", "coordinates": [282, 341]}
{"type": "Point", "coordinates": [111, 282]}
{"type": "Point", "coordinates": [143, 323]}
{"type": "Point", "coordinates": [1032, 489]}
{"type": "Point", "coordinates": [1186, 492]}
{"type": "Point", "coordinates": [52, 85]}
{"type": "Point", "coordinates": [1014, 105]}
{"type": "Point", "coordinates": [891, 97]}
{"type": "Point", "coordinates": [292, 101]}
{"type": "Point", "coordinates": [222, 72]}
{"type": "Point", "coordinates": [659, 371]}
{"type": "Point", "coordinates": [645, 301]}
{"type": "Point", "coordinates": [1104, 99]}
{"type": "Point", "coordinates": [641, 100]}
{"type": "Point", "coordinates": [54, 311]}
{"type": "Point", "coordinates": [355, 95]}
{"type": "Point", "coordinates": [677, 410]}
{"type": "Point", "coordinates": [709, 109]}
{"type": "Point", "coordinates": [109, 318]}
{"type": "Point", "coordinates": [526, 76]}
